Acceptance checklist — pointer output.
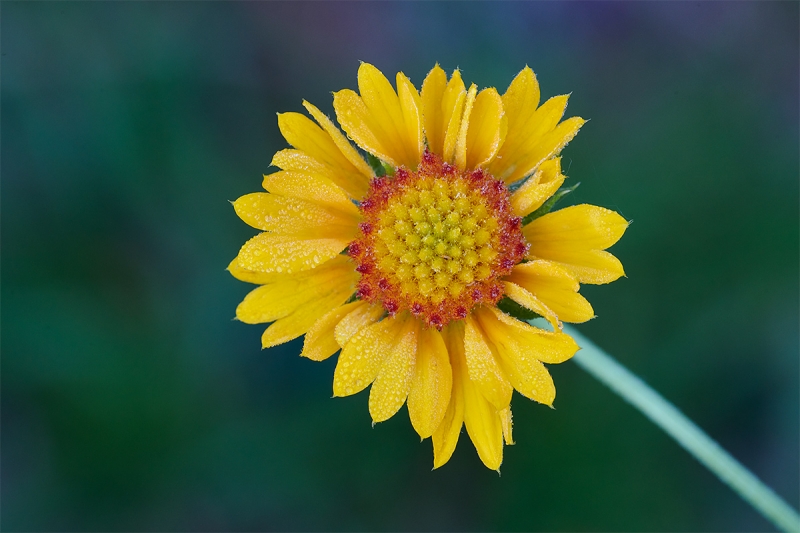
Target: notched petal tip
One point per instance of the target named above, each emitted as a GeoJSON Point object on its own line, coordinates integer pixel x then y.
{"type": "Point", "coordinates": [391, 386]}
{"type": "Point", "coordinates": [577, 237]}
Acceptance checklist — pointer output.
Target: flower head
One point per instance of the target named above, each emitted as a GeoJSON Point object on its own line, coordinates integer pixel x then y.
{"type": "Point", "coordinates": [415, 261]}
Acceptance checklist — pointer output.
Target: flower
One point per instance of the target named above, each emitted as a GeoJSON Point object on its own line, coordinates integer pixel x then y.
{"type": "Point", "coordinates": [401, 260]}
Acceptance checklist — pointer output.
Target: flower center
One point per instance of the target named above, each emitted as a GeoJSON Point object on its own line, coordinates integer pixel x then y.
{"type": "Point", "coordinates": [436, 241]}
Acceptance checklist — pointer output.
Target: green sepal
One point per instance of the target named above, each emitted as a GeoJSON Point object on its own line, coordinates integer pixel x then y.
{"type": "Point", "coordinates": [353, 298]}
{"type": "Point", "coordinates": [387, 168]}
{"type": "Point", "coordinates": [380, 168]}
{"type": "Point", "coordinates": [376, 165]}
{"type": "Point", "coordinates": [510, 307]}
{"type": "Point", "coordinates": [549, 204]}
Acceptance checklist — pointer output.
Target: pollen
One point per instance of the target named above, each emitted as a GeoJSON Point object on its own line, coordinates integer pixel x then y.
{"type": "Point", "coordinates": [436, 241]}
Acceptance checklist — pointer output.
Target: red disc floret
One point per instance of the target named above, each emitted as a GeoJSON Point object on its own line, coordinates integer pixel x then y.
{"type": "Point", "coordinates": [436, 241]}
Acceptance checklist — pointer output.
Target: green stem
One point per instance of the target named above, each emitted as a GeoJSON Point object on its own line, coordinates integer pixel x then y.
{"type": "Point", "coordinates": [685, 432]}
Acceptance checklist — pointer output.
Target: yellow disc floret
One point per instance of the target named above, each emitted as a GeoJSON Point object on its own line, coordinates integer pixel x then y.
{"type": "Point", "coordinates": [436, 241]}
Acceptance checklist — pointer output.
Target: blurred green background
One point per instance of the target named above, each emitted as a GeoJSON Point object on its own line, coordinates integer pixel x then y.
{"type": "Point", "coordinates": [132, 401]}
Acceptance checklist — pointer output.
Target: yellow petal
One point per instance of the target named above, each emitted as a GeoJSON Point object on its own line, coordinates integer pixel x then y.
{"type": "Point", "coordinates": [281, 298]}
{"type": "Point", "coordinates": [411, 105]}
{"type": "Point", "coordinates": [391, 122]}
{"type": "Point", "coordinates": [521, 348]}
{"type": "Point", "coordinates": [555, 287]}
{"type": "Point", "coordinates": [593, 267]}
{"type": "Point", "coordinates": [550, 145]}
{"type": "Point", "coordinates": [360, 316]}
{"type": "Point", "coordinates": [529, 376]}
{"type": "Point", "coordinates": [546, 346]}
{"type": "Point", "coordinates": [320, 343]}
{"type": "Point", "coordinates": [506, 422]}
{"type": "Point", "coordinates": [431, 385]}
{"type": "Point", "coordinates": [341, 142]}
{"type": "Point", "coordinates": [270, 253]}
{"type": "Point", "coordinates": [359, 124]}
{"type": "Point", "coordinates": [381, 100]}
{"type": "Point", "coordinates": [290, 159]}
{"type": "Point", "coordinates": [276, 300]}
{"type": "Point", "coordinates": [249, 276]}
{"type": "Point", "coordinates": [461, 141]}
{"type": "Point", "coordinates": [432, 116]}
{"type": "Point", "coordinates": [483, 426]}
{"type": "Point", "coordinates": [390, 389]}
{"type": "Point", "coordinates": [455, 95]}
{"type": "Point", "coordinates": [520, 101]}
{"type": "Point", "coordinates": [547, 116]}
{"type": "Point", "coordinates": [286, 215]}
{"type": "Point", "coordinates": [362, 357]}
{"type": "Point", "coordinates": [302, 319]}
{"type": "Point", "coordinates": [575, 237]}
{"type": "Point", "coordinates": [528, 129]}
{"type": "Point", "coordinates": [528, 300]}
{"type": "Point", "coordinates": [484, 370]}
{"type": "Point", "coordinates": [302, 133]}
{"type": "Point", "coordinates": [311, 186]}
{"type": "Point", "coordinates": [538, 188]}
{"type": "Point", "coordinates": [487, 129]}
{"type": "Point", "coordinates": [480, 416]}
{"type": "Point", "coordinates": [301, 162]}
{"type": "Point", "coordinates": [591, 226]}
{"type": "Point", "coordinates": [445, 438]}
{"type": "Point", "coordinates": [446, 435]}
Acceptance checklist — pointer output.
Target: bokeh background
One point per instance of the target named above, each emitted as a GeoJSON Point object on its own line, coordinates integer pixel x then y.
{"type": "Point", "coordinates": [132, 401]}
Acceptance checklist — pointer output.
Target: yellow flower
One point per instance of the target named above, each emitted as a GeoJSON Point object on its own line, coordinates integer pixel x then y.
{"type": "Point", "coordinates": [403, 272]}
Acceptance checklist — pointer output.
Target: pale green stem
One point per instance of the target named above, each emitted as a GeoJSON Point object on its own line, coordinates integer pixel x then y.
{"type": "Point", "coordinates": [685, 432]}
